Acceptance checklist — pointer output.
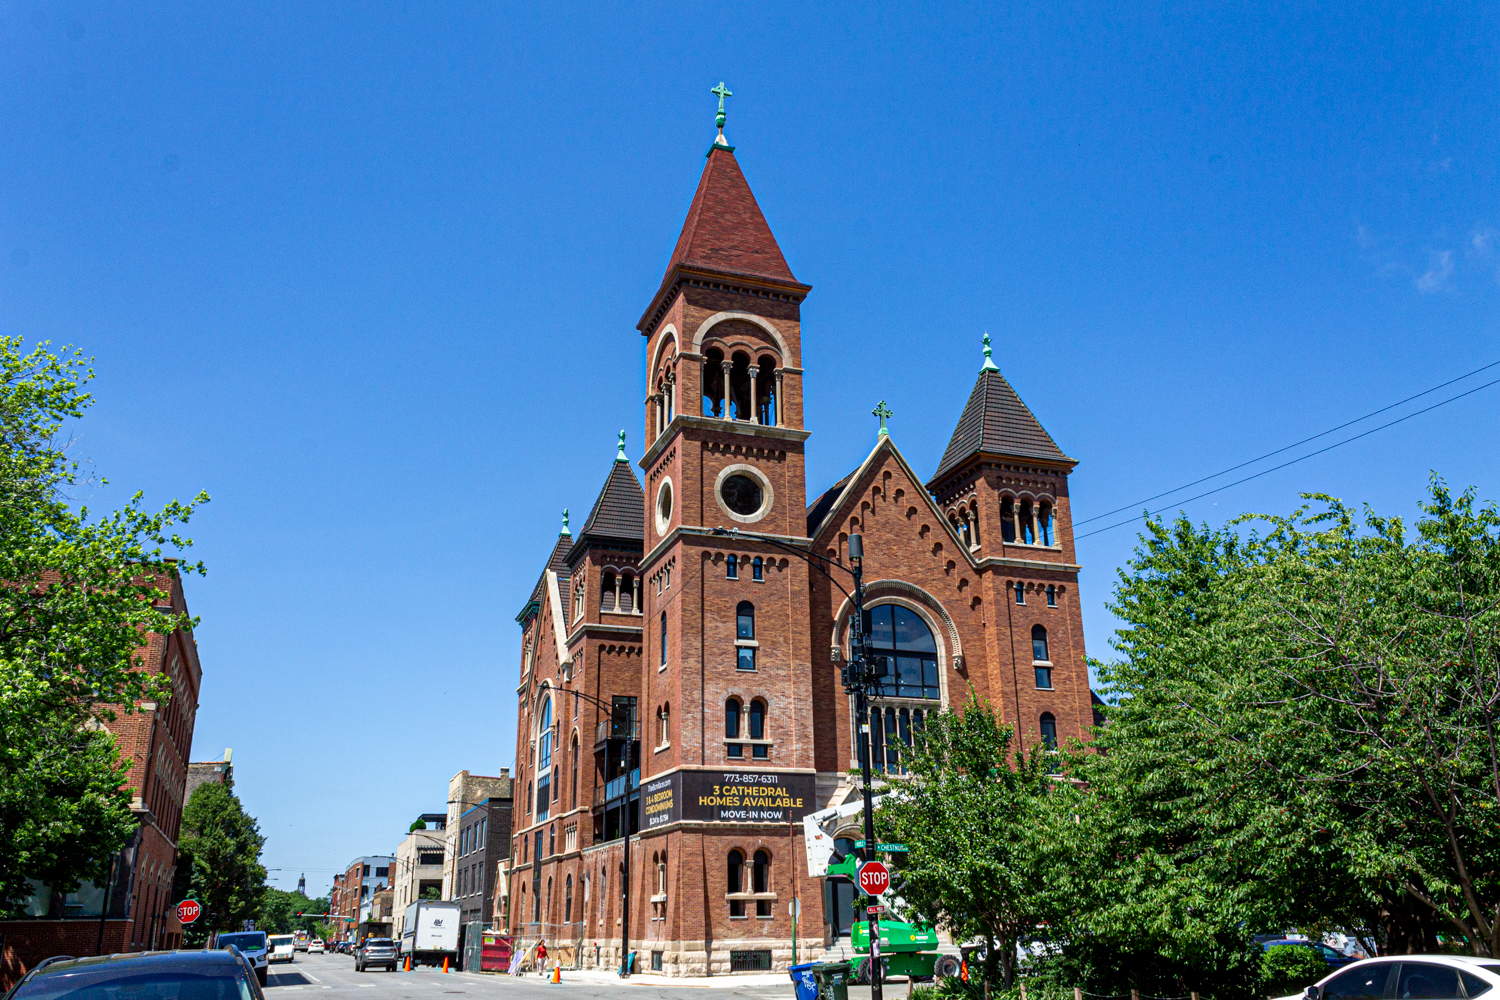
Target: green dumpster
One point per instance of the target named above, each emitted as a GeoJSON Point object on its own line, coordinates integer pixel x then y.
{"type": "Point", "coordinates": [832, 979]}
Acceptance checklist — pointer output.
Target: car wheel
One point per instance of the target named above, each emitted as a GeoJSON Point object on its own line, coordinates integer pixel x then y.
{"type": "Point", "coordinates": [260, 975]}
{"type": "Point", "coordinates": [946, 967]}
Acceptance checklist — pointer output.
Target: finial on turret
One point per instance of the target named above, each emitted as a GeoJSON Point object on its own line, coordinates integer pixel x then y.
{"type": "Point", "coordinates": [989, 362]}
{"type": "Point", "coordinates": [882, 411]}
{"type": "Point", "coordinates": [620, 455]}
{"type": "Point", "coordinates": [721, 92]}
{"type": "Point", "coordinates": [565, 530]}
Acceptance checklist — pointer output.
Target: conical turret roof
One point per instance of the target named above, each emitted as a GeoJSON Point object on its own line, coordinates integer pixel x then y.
{"type": "Point", "coordinates": [725, 230]}
{"type": "Point", "coordinates": [620, 511]}
{"type": "Point", "coordinates": [996, 422]}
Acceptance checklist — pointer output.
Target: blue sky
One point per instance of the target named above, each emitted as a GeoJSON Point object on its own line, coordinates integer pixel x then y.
{"type": "Point", "coordinates": [369, 274]}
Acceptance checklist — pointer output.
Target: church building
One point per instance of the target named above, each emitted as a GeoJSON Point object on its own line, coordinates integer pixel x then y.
{"type": "Point", "coordinates": [679, 682]}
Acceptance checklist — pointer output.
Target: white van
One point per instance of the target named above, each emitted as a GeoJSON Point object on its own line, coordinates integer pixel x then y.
{"type": "Point", "coordinates": [283, 948]}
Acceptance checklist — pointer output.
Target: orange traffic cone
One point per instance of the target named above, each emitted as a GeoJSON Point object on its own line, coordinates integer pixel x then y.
{"type": "Point", "coordinates": [408, 963]}
{"type": "Point", "coordinates": [445, 963]}
{"type": "Point", "coordinates": [557, 973]}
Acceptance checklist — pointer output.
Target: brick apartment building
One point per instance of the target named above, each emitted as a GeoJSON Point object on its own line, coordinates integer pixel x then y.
{"type": "Point", "coordinates": [465, 791]}
{"type": "Point", "coordinates": [353, 891]}
{"type": "Point", "coordinates": [483, 839]}
{"type": "Point", "coordinates": [720, 656]}
{"type": "Point", "coordinates": [138, 914]}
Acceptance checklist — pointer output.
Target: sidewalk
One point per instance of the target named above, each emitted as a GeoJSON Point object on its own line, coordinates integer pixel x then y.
{"type": "Point", "coordinates": [732, 981]}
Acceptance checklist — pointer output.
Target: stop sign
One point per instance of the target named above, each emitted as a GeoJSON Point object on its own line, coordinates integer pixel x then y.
{"type": "Point", "coordinates": [874, 878]}
{"type": "Point", "coordinates": [188, 910]}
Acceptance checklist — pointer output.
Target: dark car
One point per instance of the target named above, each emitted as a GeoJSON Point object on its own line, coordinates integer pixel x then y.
{"type": "Point", "coordinates": [378, 952]}
{"type": "Point", "coordinates": [146, 975]}
{"type": "Point", "coordinates": [1333, 958]}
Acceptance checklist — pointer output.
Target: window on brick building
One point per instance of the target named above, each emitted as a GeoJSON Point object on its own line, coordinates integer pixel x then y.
{"type": "Point", "coordinates": [568, 900]}
{"type": "Point", "coordinates": [1051, 595]}
{"type": "Point", "coordinates": [906, 693]}
{"type": "Point", "coordinates": [1020, 592]}
{"type": "Point", "coordinates": [758, 729]}
{"type": "Point", "coordinates": [1007, 520]}
{"type": "Point", "coordinates": [574, 799]}
{"type": "Point", "coordinates": [664, 638]}
{"type": "Point", "coordinates": [761, 881]}
{"type": "Point", "coordinates": [757, 569]}
{"type": "Point", "coordinates": [732, 727]}
{"type": "Point", "coordinates": [1039, 643]}
{"type": "Point", "coordinates": [1049, 730]}
{"type": "Point", "coordinates": [732, 567]}
{"type": "Point", "coordinates": [735, 882]}
{"type": "Point", "coordinates": [744, 636]}
{"type": "Point", "coordinates": [1044, 523]}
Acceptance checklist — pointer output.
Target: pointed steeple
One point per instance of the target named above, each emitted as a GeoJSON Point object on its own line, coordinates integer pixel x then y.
{"type": "Point", "coordinates": [996, 422]}
{"type": "Point", "coordinates": [725, 230]}
{"type": "Point", "coordinates": [620, 511]}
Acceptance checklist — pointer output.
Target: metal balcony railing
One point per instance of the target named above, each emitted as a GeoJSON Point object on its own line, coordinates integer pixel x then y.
{"type": "Point", "coordinates": [616, 729]}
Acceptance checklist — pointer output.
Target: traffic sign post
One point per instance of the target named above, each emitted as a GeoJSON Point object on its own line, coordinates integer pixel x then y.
{"type": "Point", "coordinates": [189, 910]}
{"type": "Point", "coordinates": [874, 878]}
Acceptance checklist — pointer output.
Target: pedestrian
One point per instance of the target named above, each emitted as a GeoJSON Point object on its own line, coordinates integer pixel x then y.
{"type": "Point", "coordinates": [541, 958]}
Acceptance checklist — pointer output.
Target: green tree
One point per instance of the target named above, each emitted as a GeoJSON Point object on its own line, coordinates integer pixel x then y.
{"type": "Point", "coordinates": [417, 824]}
{"type": "Point", "coordinates": [975, 815]}
{"type": "Point", "coordinates": [79, 595]}
{"type": "Point", "coordinates": [1304, 733]}
{"type": "Point", "coordinates": [221, 845]}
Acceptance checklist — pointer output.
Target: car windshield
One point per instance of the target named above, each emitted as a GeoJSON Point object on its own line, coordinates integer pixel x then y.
{"type": "Point", "coordinates": [244, 941]}
{"type": "Point", "coordinates": [277, 942]}
{"type": "Point", "coordinates": [115, 981]}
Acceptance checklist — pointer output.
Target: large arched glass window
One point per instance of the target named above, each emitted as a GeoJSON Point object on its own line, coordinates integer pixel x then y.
{"type": "Point", "coordinates": [544, 735]}
{"type": "Point", "coordinates": [1049, 730]}
{"type": "Point", "coordinates": [911, 682]}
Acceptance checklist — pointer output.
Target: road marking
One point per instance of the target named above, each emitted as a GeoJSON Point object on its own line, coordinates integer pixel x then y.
{"type": "Point", "coordinates": [314, 978]}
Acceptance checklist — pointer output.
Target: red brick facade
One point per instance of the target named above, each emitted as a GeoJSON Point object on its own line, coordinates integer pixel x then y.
{"type": "Point", "coordinates": [157, 742]}
{"type": "Point", "coordinates": [724, 449]}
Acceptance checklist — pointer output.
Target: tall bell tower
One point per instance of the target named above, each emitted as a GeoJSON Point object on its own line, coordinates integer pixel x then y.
{"type": "Point", "coordinates": [726, 685]}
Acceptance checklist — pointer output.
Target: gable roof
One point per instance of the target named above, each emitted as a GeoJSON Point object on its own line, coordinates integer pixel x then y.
{"type": "Point", "coordinates": [996, 422]}
{"type": "Point", "coordinates": [820, 507]}
{"type": "Point", "coordinates": [725, 230]}
{"type": "Point", "coordinates": [556, 563]}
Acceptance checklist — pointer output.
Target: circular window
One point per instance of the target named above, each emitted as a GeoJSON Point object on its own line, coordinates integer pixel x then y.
{"type": "Point", "coordinates": [664, 507]}
{"type": "Point", "coordinates": [741, 494]}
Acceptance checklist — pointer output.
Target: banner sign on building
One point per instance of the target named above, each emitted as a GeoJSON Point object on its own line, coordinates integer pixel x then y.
{"type": "Point", "coordinates": [748, 796]}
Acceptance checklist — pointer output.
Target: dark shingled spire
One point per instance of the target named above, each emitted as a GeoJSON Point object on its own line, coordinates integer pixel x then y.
{"type": "Point", "coordinates": [996, 422]}
{"type": "Point", "coordinates": [620, 511]}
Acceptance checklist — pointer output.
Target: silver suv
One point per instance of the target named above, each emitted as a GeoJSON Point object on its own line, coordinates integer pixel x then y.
{"type": "Point", "coordinates": [376, 951]}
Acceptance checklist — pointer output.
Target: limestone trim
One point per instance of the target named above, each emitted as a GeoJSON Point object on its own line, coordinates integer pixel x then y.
{"type": "Point", "coordinates": [686, 530]}
{"type": "Point", "coordinates": [656, 355]}
{"type": "Point", "coordinates": [666, 438]}
{"type": "Point", "coordinates": [767, 492]}
{"type": "Point", "coordinates": [927, 607]}
{"type": "Point", "coordinates": [667, 492]}
{"type": "Point", "coordinates": [751, 318]}
{"type": "Point", "coordinates": [554, 600]}
{"type": "Point", "coordinates": [587, 627]}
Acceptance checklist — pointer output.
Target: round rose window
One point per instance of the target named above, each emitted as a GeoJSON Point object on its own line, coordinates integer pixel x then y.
{"type": "Point", "coordinates": [741, 494]}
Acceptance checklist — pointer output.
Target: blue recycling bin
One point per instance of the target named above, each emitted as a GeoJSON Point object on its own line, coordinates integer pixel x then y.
{"type": "Point", "coordinates": [802, 976]}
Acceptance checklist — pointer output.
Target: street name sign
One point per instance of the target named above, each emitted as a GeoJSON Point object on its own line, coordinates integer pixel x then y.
{"type": "Point", "coordinates": [189, 910]}
{"type": "Point", "coordinates": [874, 878]}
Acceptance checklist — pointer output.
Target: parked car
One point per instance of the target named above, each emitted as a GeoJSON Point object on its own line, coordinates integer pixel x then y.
{"type": "Point", "coordinates": [283, 948]}
{"type": "Point", "coordinates": [1432, 977]}
{"type": "Point", "coordinates": [209, 975]}
{"type": "Point", "coordinates": [376, 951]}
{"type": "Point", "coordinates": [251, 944]}
{"type": "Point", "coordinates": [1332, 957]}
{"type": "Point", "coordinates": [315, 946]}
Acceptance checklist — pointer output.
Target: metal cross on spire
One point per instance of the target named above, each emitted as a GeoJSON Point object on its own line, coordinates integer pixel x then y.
{"type": "Point", "coordinates": [721, 92]}
{"type": "Point", "coordinates": [989, 362]}
{"type": "Point", "coordinates": [882, 411]}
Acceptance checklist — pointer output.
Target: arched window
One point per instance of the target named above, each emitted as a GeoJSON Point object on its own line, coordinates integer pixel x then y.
{"type": "Point", "coordinates": [528, 798]}
{"type": "Point", "coordinates": [744, 636]}
{"type": "Point", "coordinates": [732, 728]}
{"type": "Point", "coordinates": [1039, 643]}
{"type": "Point", "coordinates": [758, 729]}
{"type": "Point", "coordinates": [736, 882]}
{"type": "Point", "coordinates": [903, 638]}
{"type": "Point", "coordinates": [664, 725]}
{"type": "Point", "coordinates": [757, 568]}
{"type": "Point", "coordinates": [1049, 730]}
{"type": "Point", "coordinates": [549, 897]}
{"type": "Point", "coordinates": [1043, 663]}
{"type": "Point", "coordinates": [574, 799]}
{"type": "Point", "coordinates": [761, 880]}
{"type": "Point", "coordinates": [713, 383]}
{"type": "Point", "coordinates": [971, 517]}
{"type": "Point", "coordinates": [664, 638]}
{"type": "Point", "coordinates": [1020, 592]}
{"type": "Point", "coordinates": [732, 567]}
{"type": "Point", "coordinates": [1007, 519]}
{"type": "Point", "coordinates": [766, 401]}
{"type": "Point", "coordinates": [552, 840]}
{"type": "Point", "coordinates": [1028, 522]}
{"type": "Point", "coordinates": [1051, 595]}
{"type": "Point", "coordinates": [544, 735]}
{"type": "Point", "coordinates": [1044, 521]}
{"type": "Point", "coordinates": [608, 592]}
{"type": "Point", "coordinates": [568, 900]}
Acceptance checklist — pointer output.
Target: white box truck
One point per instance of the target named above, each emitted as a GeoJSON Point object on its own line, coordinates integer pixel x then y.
{"type": "Point", "coordinates": [431, 933]}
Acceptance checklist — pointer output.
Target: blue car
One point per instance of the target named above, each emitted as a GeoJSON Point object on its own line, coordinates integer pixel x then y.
{"type": "Point", "coordinates": [1332, 958]}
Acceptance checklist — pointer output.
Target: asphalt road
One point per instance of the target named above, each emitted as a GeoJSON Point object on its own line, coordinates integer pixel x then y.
{"type": "Point", "coordinates": [335, 973]}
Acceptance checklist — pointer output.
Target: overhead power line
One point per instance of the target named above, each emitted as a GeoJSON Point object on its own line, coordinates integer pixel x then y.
{"type": "Point", "coordinates": [1302, 458]}
{"type": "Point", "coordinates": [1294, 444]}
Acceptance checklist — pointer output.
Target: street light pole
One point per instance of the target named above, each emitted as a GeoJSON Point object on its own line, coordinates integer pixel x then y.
{"type": "Point", "coordinates": [861, 677]}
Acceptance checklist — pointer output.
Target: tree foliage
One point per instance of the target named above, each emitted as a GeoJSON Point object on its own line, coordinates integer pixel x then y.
{"type": "Point", "coordinates": [220, 847]}
{"type": "Point", "coordinates": [974, 812]}
{"type": "Point", "coordinates": [77, 599]}
{"type": "Point", "coordinates": [280, 909]}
